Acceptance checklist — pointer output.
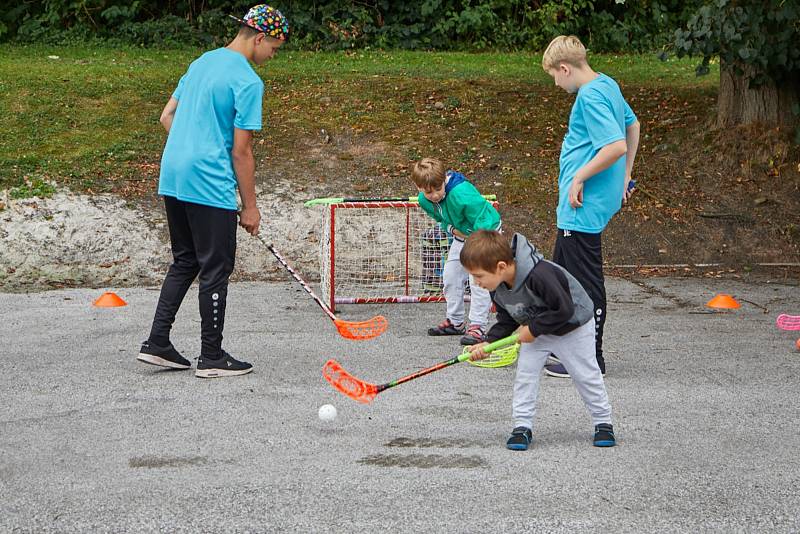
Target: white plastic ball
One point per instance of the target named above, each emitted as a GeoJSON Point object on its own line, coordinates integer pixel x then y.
{"type": "Point", "coordinates": [327, 412]}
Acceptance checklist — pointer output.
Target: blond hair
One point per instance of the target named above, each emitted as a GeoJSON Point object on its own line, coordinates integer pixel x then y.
{"type": "Point", "coordinates": [564, 49]}
{"type": "Point", "coordinates": [483, 249]}
{"type": "Point", "coordinates": [428, 173]}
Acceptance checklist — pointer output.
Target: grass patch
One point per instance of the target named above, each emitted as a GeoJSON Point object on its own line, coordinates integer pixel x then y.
{"type": "Point", "coordinates": [89, 119]}
{"type": "Point", "coordinates": [33, 187]}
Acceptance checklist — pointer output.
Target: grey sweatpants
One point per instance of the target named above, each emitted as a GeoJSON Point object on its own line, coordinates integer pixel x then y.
{"type": "Point", "coordinates": [454, 278]}
{"type": "Point", "coordinates": [576, 352]}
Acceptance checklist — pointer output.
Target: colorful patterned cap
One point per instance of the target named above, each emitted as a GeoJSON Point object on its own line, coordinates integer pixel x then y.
{"type": "Point", "coordinates": [268, 20]}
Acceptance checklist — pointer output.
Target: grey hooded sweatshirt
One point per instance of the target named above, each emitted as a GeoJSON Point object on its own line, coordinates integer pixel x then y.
{"type": "Point", "coordinates": [545, 297]}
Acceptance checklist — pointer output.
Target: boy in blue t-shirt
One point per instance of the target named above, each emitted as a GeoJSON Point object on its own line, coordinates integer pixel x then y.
{"type": "Point", "coordinates": [210, 120]}
{"type": "Point", "coordinates": [595, 171]}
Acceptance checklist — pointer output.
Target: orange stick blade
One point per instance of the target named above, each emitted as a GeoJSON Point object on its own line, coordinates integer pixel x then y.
{"type": "Point", "coordinates": [347, 384]}
{"type": "Point", "coordinates": [362, 329]}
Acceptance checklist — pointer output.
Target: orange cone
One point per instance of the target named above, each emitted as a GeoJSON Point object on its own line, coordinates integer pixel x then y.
{"type": "Point", "coordinates": [109, 300]}
{"type": "Point", "coordinates": [723, 302]}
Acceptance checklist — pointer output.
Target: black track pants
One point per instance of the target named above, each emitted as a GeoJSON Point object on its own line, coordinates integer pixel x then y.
{"type": "Point", "coordinates": [581, 254]}
{"type": "Point", "coordinates": [203, 242]}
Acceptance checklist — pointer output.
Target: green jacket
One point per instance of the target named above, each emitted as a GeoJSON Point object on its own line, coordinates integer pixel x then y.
{"type": "Point", "coordinates": [462, 207]}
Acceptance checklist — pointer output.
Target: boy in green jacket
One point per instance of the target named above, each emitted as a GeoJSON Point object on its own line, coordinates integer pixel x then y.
{"type": "Point", "coordinates": [457, 205]}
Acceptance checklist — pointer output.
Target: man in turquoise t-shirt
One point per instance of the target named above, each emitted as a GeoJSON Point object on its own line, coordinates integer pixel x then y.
{"type": "Point", "coordinates": [210, 120]}
{"type": "Point", "coordinates": [595, 170]}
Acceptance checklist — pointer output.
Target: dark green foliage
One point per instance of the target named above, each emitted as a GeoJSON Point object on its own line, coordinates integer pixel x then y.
{"type": "Point", "coordinates": [761, 35]}
{"type": "Point", "coordinates": [603, 25]}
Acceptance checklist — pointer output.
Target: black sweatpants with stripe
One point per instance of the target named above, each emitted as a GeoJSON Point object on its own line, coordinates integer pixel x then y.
{"type": "Point", "coordinates": [203, 240]}
{"type": "Point", "coordinates": [581, 254]}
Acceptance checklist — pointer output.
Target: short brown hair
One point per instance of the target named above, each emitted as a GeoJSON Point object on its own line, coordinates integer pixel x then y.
{"type": "Point", "coordinates": [483, 249]}
{"type": "Point", "coordinates": [247, 31]}
{"type": "Point", "coordinates": [428, 173]}
{"type": "Point", "coordinates": [564, 49]}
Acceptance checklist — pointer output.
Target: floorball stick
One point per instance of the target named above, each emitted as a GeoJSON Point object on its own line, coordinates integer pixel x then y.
{"type": "Point", "coordinates": [356, 330]}
{"type": "Point", "coordinates": [788, 322]}
{"type": "Point", "coordinates": [361, 391]}
{"type": "Point", "coordinates": [498, 358]}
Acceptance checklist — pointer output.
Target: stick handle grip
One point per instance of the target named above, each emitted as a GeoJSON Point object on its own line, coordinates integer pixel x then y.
{"type": "Point", "coordinates": [491, 347]}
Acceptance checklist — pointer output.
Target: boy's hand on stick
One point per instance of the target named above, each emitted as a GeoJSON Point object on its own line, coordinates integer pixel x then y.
{"type": "Point", "coordinates": [525, 335]}
{"type": "Point", "coordinates": [477, 352]}
{"type": "Point", "coordinates": [249, 219]}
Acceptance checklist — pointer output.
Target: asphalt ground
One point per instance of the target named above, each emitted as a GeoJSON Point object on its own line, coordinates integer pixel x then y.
{"type": "Point", "coordinates": [705, 408]}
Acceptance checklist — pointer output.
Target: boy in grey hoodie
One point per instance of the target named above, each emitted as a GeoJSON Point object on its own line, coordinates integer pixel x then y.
{"type": "Point", "coordinates": [552, 313]}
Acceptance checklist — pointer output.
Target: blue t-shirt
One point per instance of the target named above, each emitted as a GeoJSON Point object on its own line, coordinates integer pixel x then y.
{"type": "Point", "coordinates": [599, 117]}
{"type": "Point", "coordinates": [219, 92]}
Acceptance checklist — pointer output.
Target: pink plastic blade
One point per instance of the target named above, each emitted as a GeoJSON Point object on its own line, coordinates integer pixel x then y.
{"type": "Point", "coordinates": [788, 322]}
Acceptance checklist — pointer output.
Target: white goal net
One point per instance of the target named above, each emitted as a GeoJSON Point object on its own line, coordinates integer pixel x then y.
{"type": "Point", "coordinates": [381, 252]}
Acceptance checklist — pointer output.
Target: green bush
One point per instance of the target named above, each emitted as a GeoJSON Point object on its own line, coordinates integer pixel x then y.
{"type": "Point", "coordinates": [168, 31]}
{"type": "Point", "coordinates": [603, 25]}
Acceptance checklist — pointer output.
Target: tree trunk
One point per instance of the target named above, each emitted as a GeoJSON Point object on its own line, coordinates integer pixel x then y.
{"type": "Point", "coordinates": [768, 104]}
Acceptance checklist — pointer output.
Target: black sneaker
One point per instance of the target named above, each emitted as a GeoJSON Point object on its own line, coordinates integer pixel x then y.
{"type": "Point", "coordinates": [520, 439]}
{"type": "Point", "coordinates": [226, 365]}
{"type": "Point", "coordinates": [162, 356]}
{"type": "Point", "coordinates": [447, 328]}
{"type": "Point", "coordinates": [604, 435]}
{"type": "Point", "coordinates": [474, 335]}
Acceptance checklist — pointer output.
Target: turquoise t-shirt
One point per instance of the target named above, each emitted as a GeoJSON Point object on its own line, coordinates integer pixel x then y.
{"type": "Point", "coordinates": [599, 117]}
{"type": "Point", "coordinates": [219, 92]}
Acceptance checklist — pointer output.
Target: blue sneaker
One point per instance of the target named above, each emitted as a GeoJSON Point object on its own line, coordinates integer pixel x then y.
{"type": "Point", "coordinates": [520, 439]}
{"type": "Point", "coordinates": [559, 371]}
{"type": "Point", "coordinates": [556, 369]}
{"type": "Point", "coordinates": [604, 435]}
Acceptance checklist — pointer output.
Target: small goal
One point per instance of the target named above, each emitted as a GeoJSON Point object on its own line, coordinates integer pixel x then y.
{"type": "Point", "coordinates": [379, 252]}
